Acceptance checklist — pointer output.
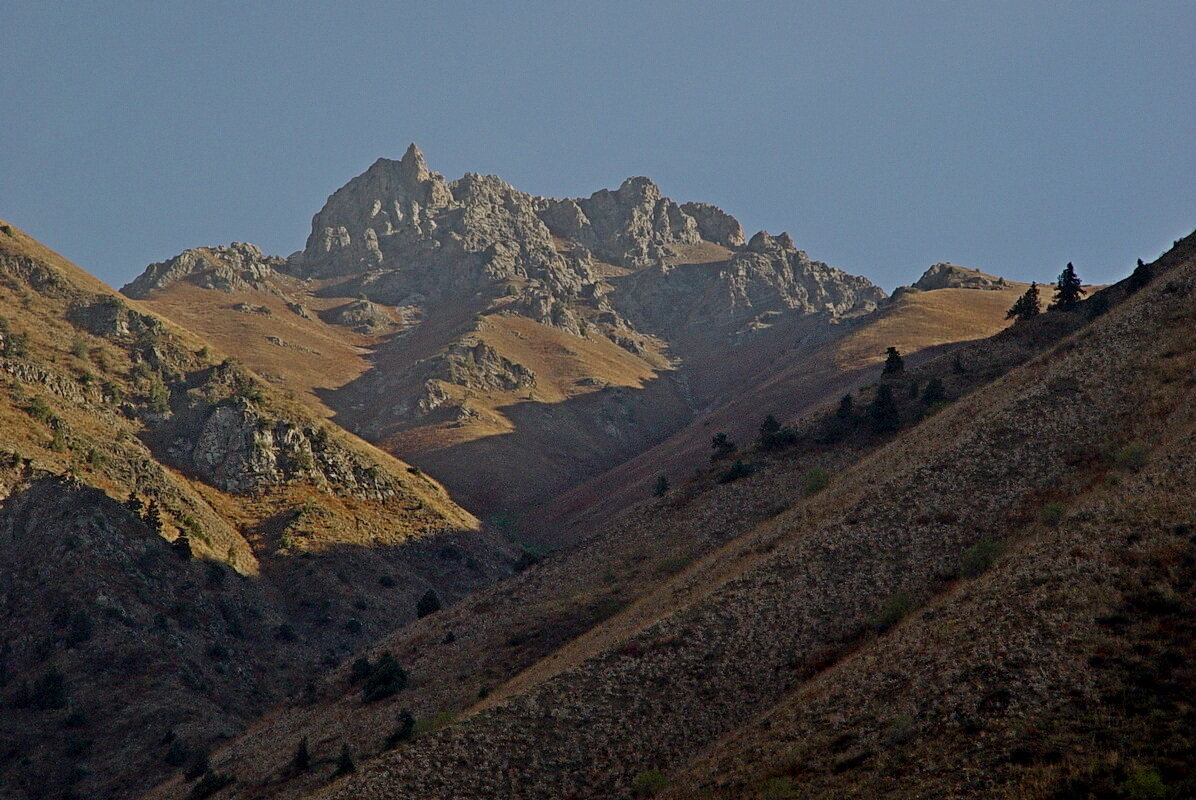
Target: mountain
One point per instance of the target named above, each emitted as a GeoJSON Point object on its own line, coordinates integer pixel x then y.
{"type": "Point", "coordinates": [982, 587]}
{"type": "Point", "coordinates": [180, 545]}
{"type": "Point", "coordinates": [526, 350]}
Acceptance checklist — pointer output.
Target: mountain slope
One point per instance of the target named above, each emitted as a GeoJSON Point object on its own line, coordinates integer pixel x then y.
{"type": "Point", "coordinates": [490, 337]}
{"type": "Point", "coordinates": [733, 635]}
{"type": "Point", "coordinates": [177, 534]}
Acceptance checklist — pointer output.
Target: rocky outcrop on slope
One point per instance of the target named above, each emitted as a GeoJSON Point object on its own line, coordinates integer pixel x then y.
{"type": "Point", "coordinates": [236, 267]}
{"type": "Point", "coordinates": [715, 225]}
{"type": "Point", "coordinates": [769, 276]}
{"type": "Point", "coordinates": [952, 276]}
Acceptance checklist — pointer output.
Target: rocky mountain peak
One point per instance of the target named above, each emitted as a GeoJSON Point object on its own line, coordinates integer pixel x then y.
{"type": "Point", "coordinates": [240, 265]}
{"type": "Point", "coordinates": [412, 165]}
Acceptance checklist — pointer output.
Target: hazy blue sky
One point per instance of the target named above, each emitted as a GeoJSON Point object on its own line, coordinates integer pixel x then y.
{"type": "Point", "coordinates": [1009, 136]}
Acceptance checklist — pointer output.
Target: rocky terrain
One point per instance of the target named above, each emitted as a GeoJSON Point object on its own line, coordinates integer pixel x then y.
{"type": "Point", "coordinates": [180, 546]}
{"type": "Point", "coordinates": [516, 347]}
{"type": "Point", "coordinates": [981, 590]}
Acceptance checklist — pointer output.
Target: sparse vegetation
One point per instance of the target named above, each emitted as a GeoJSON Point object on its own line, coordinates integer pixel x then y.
{"type": "Point", "coordinates": [1145, 784]}
{"type": "Point", "coordinates": [980, 556]}
{"type": "Point", "coordinates": [1053, 512]}
{"type": "Point", "coordinates": [815, 480]}
{"type": "Point", "coordinates": [723, 446]}
{"type": "Point", "coordinates": [738, 470]}
{"type": "Point", "coordinates": [1132, 456]}
{"type": "Point", "coordinates": [649, 783]}
{"type": "Point", "coordinates": [404, 729]}
{"type": "Point", "coordinates": [893, 610]}
{"type": "Point", "coordinates": [386, 678]}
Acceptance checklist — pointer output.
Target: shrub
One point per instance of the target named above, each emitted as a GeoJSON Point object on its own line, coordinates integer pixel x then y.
{"type": "Point", "coordinates": [892, 610]}
{"type": "Point", "coordinates": [649, 784]}
{"type": "Point", "coordinates": [934, 392]}
{"type": "Point", "coordinates": [1131, 457]}
{"type": "Point", "coordinates": [846, 409]}
{"type": "Point", "coordinates": [79, 347]}
{"type": "Point", "coordinates": [738, 470]}
{"type": "Point", "coordinates": [208, 785]}
{"type": "Point", "coordinates": [403, 730]}
{"type": "Point", "coordinates": [428, 604]}
{"type": "Point", "coordinates": [722, 445]}
{"type": "Point", "coordinates": [778, 789]}
{"type": "Point", "coordinates": [1145, 784]}
{"type": "Point", "coordinates": [815, 481]}
{"type": "Point", "coordinates": [661, 488]}
{"type": "Point", "coordinates": [39, 409]}
{"type": "Point", "coordinates": [980, 556]}
{"type": "Point", "coordinates": [1053, 512]}
{"type": "Point", "coordinates": [1139, 277]}
{"type": "Point", "coordinates": [302, 759]}
{"type": "Point", "coordinates": [360, 670]}
{"type": "Point", "coordinates": [386, 678]}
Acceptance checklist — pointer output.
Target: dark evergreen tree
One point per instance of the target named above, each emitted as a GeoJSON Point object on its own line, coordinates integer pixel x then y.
{"type": "Point", "coordinates": [723, 446]}
{"type": "Point", "coordinates": [1068, 289]}
{"type": "Point", "coordinates": [153, 516]}
{"type": "Point", "coordinates": [1026, 305]}
{"type": "Point", "coordinates": [134, 504]}
{"type": "Point", "coordinates": [387, 678]}
{"type": "Point", "coordinates": [1139, 277]}
{"type": "Point", "coordinates": [662, 487]}
{"type": "Point", "coordinates": [894, 364]}
{"type": "Point", "coordinates": [935, 392]}
{"type": "Point", "coordinates": [769, 425]}
{"type": "Point", "coordinates": [428, 604]}
{"type": "Point", "coordinates": [182, 546]}
{"type": "Point", "coordinates": [774, 436]}
{"type": "Point", "coordinates": [846, 409]}
{"type": "Point", "coordinates": [344, 764]}
{"type": "Point", "coordinates": [302, 760]}
{"type": "Point", "coordinates": [883, 411]}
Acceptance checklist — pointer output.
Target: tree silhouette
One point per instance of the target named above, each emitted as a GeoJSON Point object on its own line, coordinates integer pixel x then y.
{"type": "Point", "coordinates": [723, 446]}
{"type": "Point", "coordinates": [894, 365]}
{"type": "Point", "coordinates": [428, 604]}
{"type": "Point", "coordinates": [661, 488]}
{"type": "Point", "coordinates": [1068, 289]}
{"type": "Point", "coordinates": [1139, 277]}
{"type": "Point", "coordinates": [845, 410]}
{"type": "Point", "coordinates": [883, 411]}
{"type": "Point", "coordinates": [1026, 305]}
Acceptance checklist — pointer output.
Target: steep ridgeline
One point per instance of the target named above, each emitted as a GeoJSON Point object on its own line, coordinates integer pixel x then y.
{"type": "Point", "coordinates": [180, 546]}
{"type": "Point", "coordinates": [510, 345]}
{"type": "Point", "coordinates": [976, 580]}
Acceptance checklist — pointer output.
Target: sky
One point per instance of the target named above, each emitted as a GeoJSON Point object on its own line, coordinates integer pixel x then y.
{"type": "Point", "coordinates": [884, 137]}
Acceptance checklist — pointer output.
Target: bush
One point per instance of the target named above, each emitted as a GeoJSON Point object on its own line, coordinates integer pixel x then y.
{"type": "Point", "coordinates": [428, 604]}
{"type": "Point", "coordinates": [1131, 457]}
{"type": "Point", "coordinates": [934, 392]}
{"type": "Point", "coordinates": [302, 760]}
{"type": "Point", "coordinates": [661, 488]}
{"type": "Point", "coordinates": [738, 470]}
{"type": "Point", "coordinates": [892, 610]}
{"type": "Point", "coordinates": [980, 556]}
{"type": "Point", "coordinates": [722, 445]}
{"type": "Point", "coordinates": [1145, 784]}
{"type": "Point", "coordinates": [386, 678]}
{"type": "Point", "coordinates": [778, 789]}
{"type": "Point", "coordinates": [815, 481]}
{"type": "Point", "coordinates": [402, 732]}
{"type": "Point", "coordinates": [39, 409]}
{"type": "Point", "coordinates": [649, 784]}
{"type": "Point", "coordinates": [208, 785]}
{"type": "Point", "coordinates": [360, 670]}
{"type": "Point", "coordinates": [1053, 513]}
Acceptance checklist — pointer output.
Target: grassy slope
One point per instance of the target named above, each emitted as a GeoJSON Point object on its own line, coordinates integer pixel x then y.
{"type": "Point", "coordinates": [756, 622]}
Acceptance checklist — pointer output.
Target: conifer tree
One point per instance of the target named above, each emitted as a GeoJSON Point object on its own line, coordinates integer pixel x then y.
{"type": "Point", "coordinates": [302, 760]}
{"type": "Point", "coordinates": [153, 516]}
{"type": "Point", "coordinates": [1068, 289]}
{"type": "Point", "coordinates": [134, 504]}
{"type": "Point", "coordinates": [934, 392]}
{"type": "Point", "coordinates": [894, 365]}
{"type": "Point", "coordinates": [846, 409]}
{"type": "Point", "coordinates": [1139, 277]}
{"type": "Point", "coordinates": [428, 604]}
{"type": "Point", "coordinates": [883, 411]}
{"type": "Point", "coordinates": [662, 487]}
{"type": "Point", "coordinates": [344, 764]}
{"type": "Point", "coordinates": [1026, 305]}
